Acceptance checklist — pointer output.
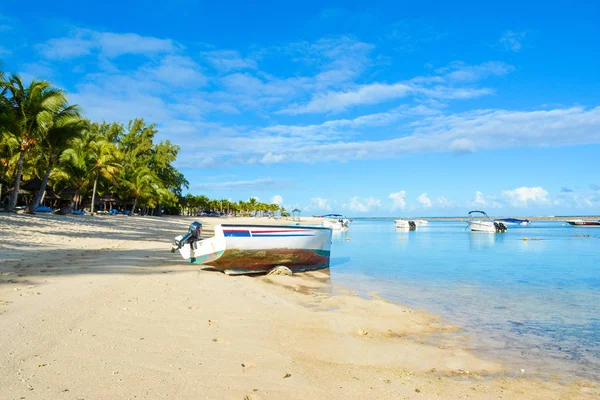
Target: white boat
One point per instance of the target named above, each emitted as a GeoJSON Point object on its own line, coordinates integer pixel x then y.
{"type": "Point", "coordinates": [337, 222]}
{"type": "Point", "coordinates": [514, 221]}
{"type": "Point", "coordinates": [584, 223]}
{"type": "Point", "coordinates": [480, 222]}
{"type": "Point", "coordinates": [405, 224]}
{"type": "Point", "coordinates": [421, 222]}
{"type": "Point", "coordinates": [249, 249]}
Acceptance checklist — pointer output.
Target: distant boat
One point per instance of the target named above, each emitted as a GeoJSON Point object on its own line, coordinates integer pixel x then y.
{"type": "Point", "coordinates": [420, 222]}
{"type": "Point", "coordinates": [514, 221]}
{"type": "Point", "coordinates": [250, 249]}
{"type": "Point", "coordinates": [337, 222]}
{"type": "Point", "coordinates": [405, 224]}
{"type": "Point", "coordinates": [584, 223]}
{"type": "Point", "coordinates": [480, 222]}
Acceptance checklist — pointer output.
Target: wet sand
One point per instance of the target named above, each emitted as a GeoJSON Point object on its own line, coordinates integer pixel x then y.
{"type": "Point", "coordinates": [97, 307]}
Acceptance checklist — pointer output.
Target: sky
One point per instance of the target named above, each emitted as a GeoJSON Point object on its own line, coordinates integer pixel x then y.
{"type": "Point", "coordinates": [364, 109]}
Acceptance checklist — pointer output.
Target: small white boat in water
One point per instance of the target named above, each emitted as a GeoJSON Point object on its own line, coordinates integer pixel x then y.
{"type": "Point", "coordinates": [514, 221]}
{"type": "Point", "coordinates": [405, 224]}
{"type": "Point", "coordinates": [584, 223]}
{"type": "Point", "coordinates": [249, 249]}
{"type": "Point", "coordinates": [337, 222]}
{"type": "Point", "coordinates": [421, 222]}
{"type": "Point", "coordinates": [480, 222]}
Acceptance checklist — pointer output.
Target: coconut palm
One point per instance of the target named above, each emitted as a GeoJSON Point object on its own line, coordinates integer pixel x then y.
{"type": "Point", "coordinates": [66, 125]}
{"type": "Point", "coordinates": [75, 164]}
{"type": "Point", "coordinates": [141, 184]}
{"type": "Point", "coordinates": [27, 116]}
{"type": "Point", "coordinates": [105, 161]}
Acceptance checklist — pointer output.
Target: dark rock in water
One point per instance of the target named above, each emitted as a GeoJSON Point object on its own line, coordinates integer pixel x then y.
{"type": "Point", "coordinates": [64, 211]}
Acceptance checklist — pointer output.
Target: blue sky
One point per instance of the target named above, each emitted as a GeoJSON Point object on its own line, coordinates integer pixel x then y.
{"type": "Point", "coordinates": [391, 108]}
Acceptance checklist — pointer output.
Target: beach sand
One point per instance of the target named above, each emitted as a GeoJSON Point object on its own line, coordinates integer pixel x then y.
{"type": "Point", "coordinates": [98, 308]}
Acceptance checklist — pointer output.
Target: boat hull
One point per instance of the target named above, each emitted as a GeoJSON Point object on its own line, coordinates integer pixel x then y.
{"type": "Point", "coordinates": [254, 249]}
{"type": "Point", "coordinates": [581, 223]}
{"type": "Point", "coordinates": [335, 225]}
{"type": "Point", "coordinates": [482, 226]}
{"type": "Point", "coordinates": [403, 224]}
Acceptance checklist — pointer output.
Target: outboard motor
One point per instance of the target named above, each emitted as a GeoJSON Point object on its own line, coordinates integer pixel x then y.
{"type": "Point", "coordinates": [412, 225]}
{"type": "Point", "coordinates": [500, 227]}
{"type": "Point", "coordinates": [191, 237]}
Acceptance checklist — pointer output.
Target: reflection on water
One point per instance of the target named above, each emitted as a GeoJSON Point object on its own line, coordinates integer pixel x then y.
{"type": "Point", "coordinates": [483, 240]}
{"type": "Point", "coordinates": [536, 299]}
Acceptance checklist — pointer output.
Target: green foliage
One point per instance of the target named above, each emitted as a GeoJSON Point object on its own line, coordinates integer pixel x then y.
{"type": "Point", "coordinates": [41, 135]}
{"type": "Point", "coordinates": [192, 205]}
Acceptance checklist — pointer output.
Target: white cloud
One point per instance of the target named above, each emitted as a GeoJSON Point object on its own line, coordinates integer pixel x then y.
{"type": "Point", "coordinates": [512, 41]}
{"type": "Point", "coordinates": [462, 146]}
{"type": "Point", "coordinates": [376, 93]}
{"type": "Point", "coordinates": [399, 199]}
{"type": "Point", "coordinates": [424, 200]}
{"type": "Point", "coordinates": [84, 41]}
{"type": "Point", "coordinates": [277, 199]}
{"type": "Point", "coordinates": [443, 202]}
{"type": "Point", "coordinates": [364, 205]}
{"type": "Point", "coordinates": [458, 71]}
{"type": "Point", "coordinates": [260, 184]}
{"type": "Point", "coordinates": [318, 203]}
{"type": "Point", "coordinates": [479, 199]}
{"type": "Point", "coordinates": [228, 60]}
{"type": "Point", "coordinates": [366, 94]}
{"type": "Point", "coordinates": [179, 71]}
{"type": "Point", "coordinates": [116, 44]}
{"type": "Point", "coordinates": [523, 196]}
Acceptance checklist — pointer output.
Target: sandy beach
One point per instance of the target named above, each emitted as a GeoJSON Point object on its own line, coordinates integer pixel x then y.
{"type": "Point", "coordinates": [98, 308]}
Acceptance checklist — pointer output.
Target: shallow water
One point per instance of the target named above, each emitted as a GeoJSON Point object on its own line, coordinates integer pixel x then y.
{"type": "Point", "coordinates": [533, 303]}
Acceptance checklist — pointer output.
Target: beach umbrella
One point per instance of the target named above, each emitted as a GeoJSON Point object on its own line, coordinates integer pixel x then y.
{"type": "Point", "coordinates": [297, 212]}
{"type": "Point", "coordinates": [68, 193]}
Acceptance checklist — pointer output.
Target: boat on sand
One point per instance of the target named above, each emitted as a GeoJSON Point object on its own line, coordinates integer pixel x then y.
{"type": "Point", "coordinates": [480, 222]}
{"type": "Point", "coordinates": [253, 249]}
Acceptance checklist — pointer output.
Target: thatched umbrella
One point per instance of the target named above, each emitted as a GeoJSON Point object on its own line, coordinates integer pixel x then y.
{"type": "Point", "coordinates": [68, 193]}
{"type": "Point", "coordinates": [296, 211]}
{"type": "Point", "coordinates": [34, 185]}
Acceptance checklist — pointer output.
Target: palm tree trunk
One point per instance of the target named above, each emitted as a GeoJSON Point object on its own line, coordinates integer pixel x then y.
{"type": "Point", "coordinates": [38, 197]}
{"type": "Point", "coordinates": [133, 208]}
{"type": "Point", "coordinates": [94, 195]}
{"type": "Point", "coordinates": [12, 202]}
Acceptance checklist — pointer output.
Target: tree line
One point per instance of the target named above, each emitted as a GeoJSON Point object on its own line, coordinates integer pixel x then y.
{"type": "Point", "coordinates": [43, 136]}
{"type": "Point", "coordinates": [192, 205]}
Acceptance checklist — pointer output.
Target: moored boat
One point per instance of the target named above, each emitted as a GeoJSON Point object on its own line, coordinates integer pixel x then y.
{"type": "Point", "coordinates": [337, 222]}
{"type": "Point", "coordinates": [250, 249]}
{"type": "Point", "coordinates": [480, 222]}
{"type": "Point", "coordinates": [584, 223]}
{"type": "Point", "coordinates": [421, 222]}
{"type": "Point", "coordinates": [405, 224]}
{"type": "Point", "coordinates": [514, 221]}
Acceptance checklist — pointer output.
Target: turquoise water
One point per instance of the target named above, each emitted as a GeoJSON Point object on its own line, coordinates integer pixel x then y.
{"type": "Point", "coordinates": [534, 303]}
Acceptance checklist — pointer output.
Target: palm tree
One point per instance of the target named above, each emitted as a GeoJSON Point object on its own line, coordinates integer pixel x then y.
{"type": "Point", "coordinates": [252, 203]}
{"type": "Point", "coordinates": [141, 184]}
{"type": "Point", "coordinates": [105, 162]}
{"type": "Point", "coordinates": [66, 125]}
{"type": "Point", "coordinates": [28, 114]}
{"type": "Point", "coordinates": [75, 163]}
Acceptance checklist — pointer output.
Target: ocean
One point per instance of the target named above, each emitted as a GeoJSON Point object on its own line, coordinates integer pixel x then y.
{"type": "Point", "coordinates": [534, 304]}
